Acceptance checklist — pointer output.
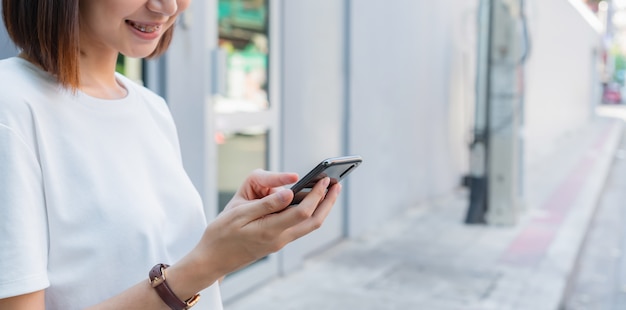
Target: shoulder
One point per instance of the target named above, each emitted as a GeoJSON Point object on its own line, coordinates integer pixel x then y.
{"type": "Point", "coordinates": [21, 81]}
{"type": "Point", "coordinates": [18, 75]}
{"type": "Point", "coordinates": [11, 66]}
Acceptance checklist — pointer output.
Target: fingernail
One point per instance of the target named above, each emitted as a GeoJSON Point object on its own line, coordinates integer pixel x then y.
{"type": "Point", "coordinates": [326, 181]}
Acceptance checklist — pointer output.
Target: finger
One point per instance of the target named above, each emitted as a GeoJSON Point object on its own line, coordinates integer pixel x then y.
{"type": "Point", "coordinates": [270, 179]}
{"type": "Point", "coordinates": [265, 206]}
{"type": "Point", "coordinates": [294, 215]}
{"type": "Point", "coordinates": [262, 183]}
{"type": "Point", "coordinates": [311, 199]}
{"type": "Point", "coordinates": [318, 217]}
{"type": "Point", "coordinates": [328, 202]}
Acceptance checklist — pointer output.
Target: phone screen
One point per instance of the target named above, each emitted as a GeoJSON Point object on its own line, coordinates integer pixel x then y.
{"type": "Point", "coordinates": [336, 168]}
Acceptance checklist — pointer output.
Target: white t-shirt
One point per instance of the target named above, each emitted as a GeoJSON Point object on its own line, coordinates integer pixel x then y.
{"type": "Point", "coordinates": [92, 191]}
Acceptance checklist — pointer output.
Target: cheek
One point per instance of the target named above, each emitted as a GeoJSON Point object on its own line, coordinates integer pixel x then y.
{"type": "Point", "coordinates": [183, 5]}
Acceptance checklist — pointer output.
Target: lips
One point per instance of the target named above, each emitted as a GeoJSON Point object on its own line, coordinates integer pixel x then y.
{"type": "Point", "coordinates": [145, 28]}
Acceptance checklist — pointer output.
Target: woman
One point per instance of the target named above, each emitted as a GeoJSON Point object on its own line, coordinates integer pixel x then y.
{"type": "Point", "coordinates": [93, 195]}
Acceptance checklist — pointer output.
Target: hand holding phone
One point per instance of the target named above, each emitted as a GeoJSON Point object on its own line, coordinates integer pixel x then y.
{"type": "Point", "coordinates": [335, 168]}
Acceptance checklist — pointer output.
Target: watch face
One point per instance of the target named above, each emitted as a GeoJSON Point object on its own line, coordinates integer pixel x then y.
{"type": "Point", "coordinates": [157, 274]}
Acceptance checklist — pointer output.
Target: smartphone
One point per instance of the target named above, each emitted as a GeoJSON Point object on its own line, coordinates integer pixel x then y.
{"type": "Point", "coordinates": [335, 168]}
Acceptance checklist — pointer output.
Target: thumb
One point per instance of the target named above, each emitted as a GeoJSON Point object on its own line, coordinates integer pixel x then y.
{"type": "Point", "coordinates": [271, 204]}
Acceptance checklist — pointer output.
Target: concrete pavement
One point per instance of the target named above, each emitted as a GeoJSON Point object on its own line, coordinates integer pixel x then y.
{"type": "Point", "coordinates": [428, 259]}
{"type": "Point", "coordinates": [600, 280]}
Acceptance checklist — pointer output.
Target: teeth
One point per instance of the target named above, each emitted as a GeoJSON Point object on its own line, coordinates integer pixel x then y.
{"type": "Point", "coordinates": [144, 28]}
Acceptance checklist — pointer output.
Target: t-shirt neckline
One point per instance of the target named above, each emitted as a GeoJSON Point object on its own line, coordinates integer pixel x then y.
{"type": "Point", "coordinates": [124, 82]}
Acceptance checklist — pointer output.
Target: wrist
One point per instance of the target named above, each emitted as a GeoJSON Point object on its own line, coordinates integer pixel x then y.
{"type": "Point", "coordinates": [159, 282]}
{"type": "Point", "coordinates": [190, 276]}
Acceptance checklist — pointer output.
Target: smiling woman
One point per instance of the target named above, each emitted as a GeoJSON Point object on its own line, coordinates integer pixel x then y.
{"type": "Point", "coordinates": [60, 23]}
{"type": "Point", "coordinates": [92, 185]}
{"type": "Point", "coordinates": [133, 28]}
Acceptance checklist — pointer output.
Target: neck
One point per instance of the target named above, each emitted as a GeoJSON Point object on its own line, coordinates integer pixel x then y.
{"type": "Point", "coordinates": [97, 75]}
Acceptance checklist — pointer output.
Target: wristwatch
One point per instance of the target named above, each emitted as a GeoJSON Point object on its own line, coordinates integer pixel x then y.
{"type": "Point", "coordinates": [158, 281]}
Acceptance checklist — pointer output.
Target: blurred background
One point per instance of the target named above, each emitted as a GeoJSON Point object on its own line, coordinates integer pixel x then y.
{"type": "Point", "coordinates": [437, 97]}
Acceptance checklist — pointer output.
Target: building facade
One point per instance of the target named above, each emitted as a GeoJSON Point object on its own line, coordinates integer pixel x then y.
{"type": "Point", "coordinates": [392, 81]}
{"type": "Point", "coordinates": [282, 84]}
{"type": "Point", "coordinates": [7, 49]}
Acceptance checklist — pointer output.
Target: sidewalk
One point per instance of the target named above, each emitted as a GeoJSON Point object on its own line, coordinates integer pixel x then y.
{"type": "Point", "coordinates": [600, 277]}
{"type": "Point", "coordinates": [428, 259]}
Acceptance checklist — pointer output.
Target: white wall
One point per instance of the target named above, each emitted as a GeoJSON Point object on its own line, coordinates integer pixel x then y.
{"type": "Point", "coordinates": [559, 75]}
{"type": "Point", "coordinates": [412, 72]}
{"type": "Point", "coordinates": [314, 102]}
{"type": "Point", "coordinates": [411, 89]}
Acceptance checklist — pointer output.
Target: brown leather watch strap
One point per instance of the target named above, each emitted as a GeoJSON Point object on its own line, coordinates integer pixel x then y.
{"type": "Point", "coordinates": [158, 281]}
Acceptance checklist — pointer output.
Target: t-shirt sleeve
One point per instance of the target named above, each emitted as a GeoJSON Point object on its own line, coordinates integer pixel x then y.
{"type": "Point", "coordinates": [23, 224]}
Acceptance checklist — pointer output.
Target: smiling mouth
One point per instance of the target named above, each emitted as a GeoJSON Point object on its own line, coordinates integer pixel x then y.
{"type": "Point", "coordinates": [144, 28]}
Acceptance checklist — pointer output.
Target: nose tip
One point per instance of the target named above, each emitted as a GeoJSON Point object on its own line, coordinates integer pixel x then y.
{"type": "Point", "coordinates": [164, 7]}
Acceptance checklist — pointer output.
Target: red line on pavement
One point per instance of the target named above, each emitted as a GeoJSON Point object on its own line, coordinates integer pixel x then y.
{"type": "Point", "coordinates": [532, 242]}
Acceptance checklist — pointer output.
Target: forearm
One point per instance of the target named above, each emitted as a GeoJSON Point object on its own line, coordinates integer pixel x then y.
{"type": "Point", "coordinates": [186, 278]}
{"type": "Point", "coordinates": [140, 296]}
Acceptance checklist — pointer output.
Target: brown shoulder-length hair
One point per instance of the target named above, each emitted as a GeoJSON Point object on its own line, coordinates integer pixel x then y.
{"type": "Point", "coordinates": [47, 32]}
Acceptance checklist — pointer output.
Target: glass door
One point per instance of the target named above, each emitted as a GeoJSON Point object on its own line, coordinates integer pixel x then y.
{"type": "Point", "coordinates": [242, 100]}
{"type": "Point", "coordinates": [245, 112]}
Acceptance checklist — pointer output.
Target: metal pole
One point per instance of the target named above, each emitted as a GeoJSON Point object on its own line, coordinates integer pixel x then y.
{"type": "Point", "coordinates": [478, 149]}
{"type": "Point", "coordinates": [495, 151]}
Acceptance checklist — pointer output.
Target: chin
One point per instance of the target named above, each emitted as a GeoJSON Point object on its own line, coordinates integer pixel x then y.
{"type": "Point", "coordinates": [139, 53]}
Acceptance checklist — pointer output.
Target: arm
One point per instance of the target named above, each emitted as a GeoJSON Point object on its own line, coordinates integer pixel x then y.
{"type": "Point", "coordinates": [141, 296]}
{"type": "Point", "coordinates": [32, 301]}
{"type": "Point", "coordinates": [256, 223]}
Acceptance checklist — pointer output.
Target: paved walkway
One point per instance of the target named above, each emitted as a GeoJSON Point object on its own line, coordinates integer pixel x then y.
{"type": "Point", "coordinates": [600, 281]}
{"type": "Point", "coordinates": [428, 259]}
